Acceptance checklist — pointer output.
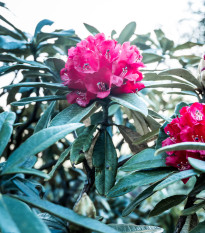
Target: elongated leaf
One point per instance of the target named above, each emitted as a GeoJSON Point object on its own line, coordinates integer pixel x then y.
{"type": "Point", "coordinates": [131, 101]}
{"type": "Point", "coordinates": [182, 86]}
{"type": "Point", "coordinates": [71, 114]}
{"type": "Point", "coordinates": [38, 142]}
{"type": "Point", "coordinates": [159, 116]}
{"type": "Point", "coordinates": [45, 118]}
{"type": "Point", "coordinates": [25, 171]}
{"type": "Point", "coordinates": [182, 146]}
{"type": "Point", "coordinates": [176, 177]}
{"type": "Point", "coordinates": [29, 100]}
{"type": "Point", "coordinates": [193, 209]}
{"type": "Point", "coordinates": [185, 74]}
{"type": "Point", "coordinates": [144, 160]}
{"type": "Point", "coordinates": [128, 183]}
{"type": "Point", "coordinates": [105, 163]}
{"type": "Point", "coordinates": [166, 204]}
{"type": "Point", "coordinates": [67, 214]}
{"type": "Point", "coordinates": [187, 45]}
{"type": "Point", "coordinates": [6, 127]}
{"type": "Point", "coordinates": [60, 161]}
{"type": "Point", "coordinates": [197, 164]}
{"type": "Point", "coordinates": [127, 33]}
{"type": "Point", "coordinates": [138, 199]}
{"type": "Point", "coordinates": [200, 228]}
{"type": "Point", "coordinates": [146, 137]}
{"type": "Point", "coordinates": [182, 93]}
{"type": "Point", "coordinates": [131, 228]}
{"type": "Point", "coordinates": [91, 29]}
{"type": "Point", "coordinates": [56, 86]}
{"type": "Point", "coordinates": [41, 24]}
{"type": "Point", "coordinates": [191, 222]}
{"type": "Point", "coordinates": [151, 57]}
{"type": "Point", "coordinates": [16, 216]}
{"type": "Point", "coordinates": [166, 44]}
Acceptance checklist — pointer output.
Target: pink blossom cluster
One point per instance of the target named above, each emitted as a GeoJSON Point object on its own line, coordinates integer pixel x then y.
{"type": "Point", "coordinates": [189, 127]}
{"type": "Point", "coordinates": [97, 67]}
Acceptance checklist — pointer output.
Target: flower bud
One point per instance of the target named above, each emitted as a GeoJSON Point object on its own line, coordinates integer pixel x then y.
{"type": "Point", "coordinates": [201, 71]}
{"type": "Point", "coordinates": [85, 207]}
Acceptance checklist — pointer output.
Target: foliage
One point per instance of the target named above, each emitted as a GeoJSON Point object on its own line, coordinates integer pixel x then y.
{"type": "Point", "coordinates": [53, 153]}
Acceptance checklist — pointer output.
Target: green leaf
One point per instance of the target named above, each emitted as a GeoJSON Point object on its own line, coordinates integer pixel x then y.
{"type": "Point", "coordinates": [131, 101]}
{"type": "Point", "coordinates": [184, 74]}
{"type": "Point", "coordinates": [166, 44]}
{"type": "Point", "coordinates": [127, 32]}
{"type": "Point", "coordinates": [45, 118]}
{"type": "Point", "coordinates": [138, 199]}
{"type": "Point", "coordinates": [128, 183]}
{"type": "Point", "coordinates": [16, 216]}
{"type": "Point", "coordinates": [23, 36]}
{"type": "Point", "coordinates": [144, 160]}
{"type": "Point", "coordinates": [193, 209]}
{"type": "Point", "coordinates": [7, 120]}
{"type": "Point", "coordinates": [81, 144]}
{"type": "Point", "coordinates": [131, 228]}
{"type": "Point", "coordinates": [191, 222]}
{"type": "Point", "coordinates": [178, 107]}
{"type": "Point", "coordinates": [145, 137]}
{"type": "Point", "coordinates": [182, 146]}
{"type": "Point", "coordinates": [14, 170]}
{"type": "Point", "coordinates": [200, 228]}
{"type": "Point", "coordinates": [37, 143]}
{"type": "Point", "coordinates": [72, 114]}
{"type": "Point", "coordinates": [182, 93]}
{"type": "Point", "coordinates": [91, 29]}
{"type": "Point", "coordinates": [105, 162]}
{"type": "Point", "coordinates": [186, 45]}
{"type": "Point", "coordinates": [197, 164]}
{"type": "Point", "coordinates": [176, 177]}
{"type": "Point", "coordinates": [67, 214]}
{"type": "Point", "coordinates": [166, 204]}
{"type": "Point", "coordinates": [41, 24]}
{"type": "Point", "coordinates": [182, 86]}
{"type": "Point", "coordinates": [29, 100]}
{"type": "Point", "coordinates": [159, 116]}
{"type": "Point", "coordinates": [55, 86]}
{"type": "Point", "coordinates": [61, 159]}
{"type": "Point", "coordinates": [151, 57]}
{"type": "Point", "coordinates": [159, 34]}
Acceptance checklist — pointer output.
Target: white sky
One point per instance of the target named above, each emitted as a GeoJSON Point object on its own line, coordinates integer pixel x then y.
{"type": "Point", "coordinates": [105, 15]}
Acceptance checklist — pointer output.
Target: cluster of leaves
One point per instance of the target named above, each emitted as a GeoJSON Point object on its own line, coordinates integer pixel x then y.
{"type": "Point", "coordinates": [35, 131]}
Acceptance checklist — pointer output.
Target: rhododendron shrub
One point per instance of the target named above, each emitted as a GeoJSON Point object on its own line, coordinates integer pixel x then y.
{"type": "Point", "coordinates": [188, 127]}
{"type": "Point", "coordinates": [97, 67]}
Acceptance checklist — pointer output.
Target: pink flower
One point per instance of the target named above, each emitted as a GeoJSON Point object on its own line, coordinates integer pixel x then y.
{"type": "Point", "coordinates": [189, 127]}
{"type": "Point", "coordinates": [97, 67]}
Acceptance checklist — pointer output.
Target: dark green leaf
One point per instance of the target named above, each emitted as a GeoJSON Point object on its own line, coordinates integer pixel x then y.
{"type": "Point", "coordinates": [166, 204]}
{"type": "Point", "coordinates": [176, 177]}
{"type": "Point", "coordinates": [178, 107]}
{"type": "Point", "coordinates": [128, 183]}
{"type": "Point", "coordinates": [6, 127]}
{"type": "Point", "coordinates": [200, 228]}
{"type": "Point", "coordinates": [91, 29]}
{"type": "Point", "coordinates": [41, 24]}
{"type": "Point", "coordinates": [131, 101]}
{"type": "Point", "coordinates": [71, 114]}
{"type": "Point", "coordinates": [61, 159]}
{"type": "Point", "coordinates": [16, 216]}
{"type": "Point", "coordinates": [131, 228]}
{"type": "Point", "coordinates": [68, 214]}
{"type": "Point", "coordinates": [38, 142]}
{"type": "Point", "coordinates": [105, 163]}
{"type": "Point", "coordinates": [127, 33]}
{"type": "Point", "coordinates": [138, 199]}
{"type": "Point", "coordinates": [144, 160]}
{"type": "Point", "coordinates": [146, 137]}
{"type": "Point", "coordinates": [45, 118]}
{"type": "Point", "coordinates": [29, 100]}
{"type": "Point", "coordinates": [194, 208]}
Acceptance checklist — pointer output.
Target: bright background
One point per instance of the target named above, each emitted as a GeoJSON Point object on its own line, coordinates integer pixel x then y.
{"type": "Point", "coordinates": [105, 15]}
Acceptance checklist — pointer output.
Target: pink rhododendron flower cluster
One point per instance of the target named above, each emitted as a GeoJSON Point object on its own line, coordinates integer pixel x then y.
{"type": "Point", "coordinates": [97, 67]}
{"type": "Point", "coordinates": [189, 127]}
